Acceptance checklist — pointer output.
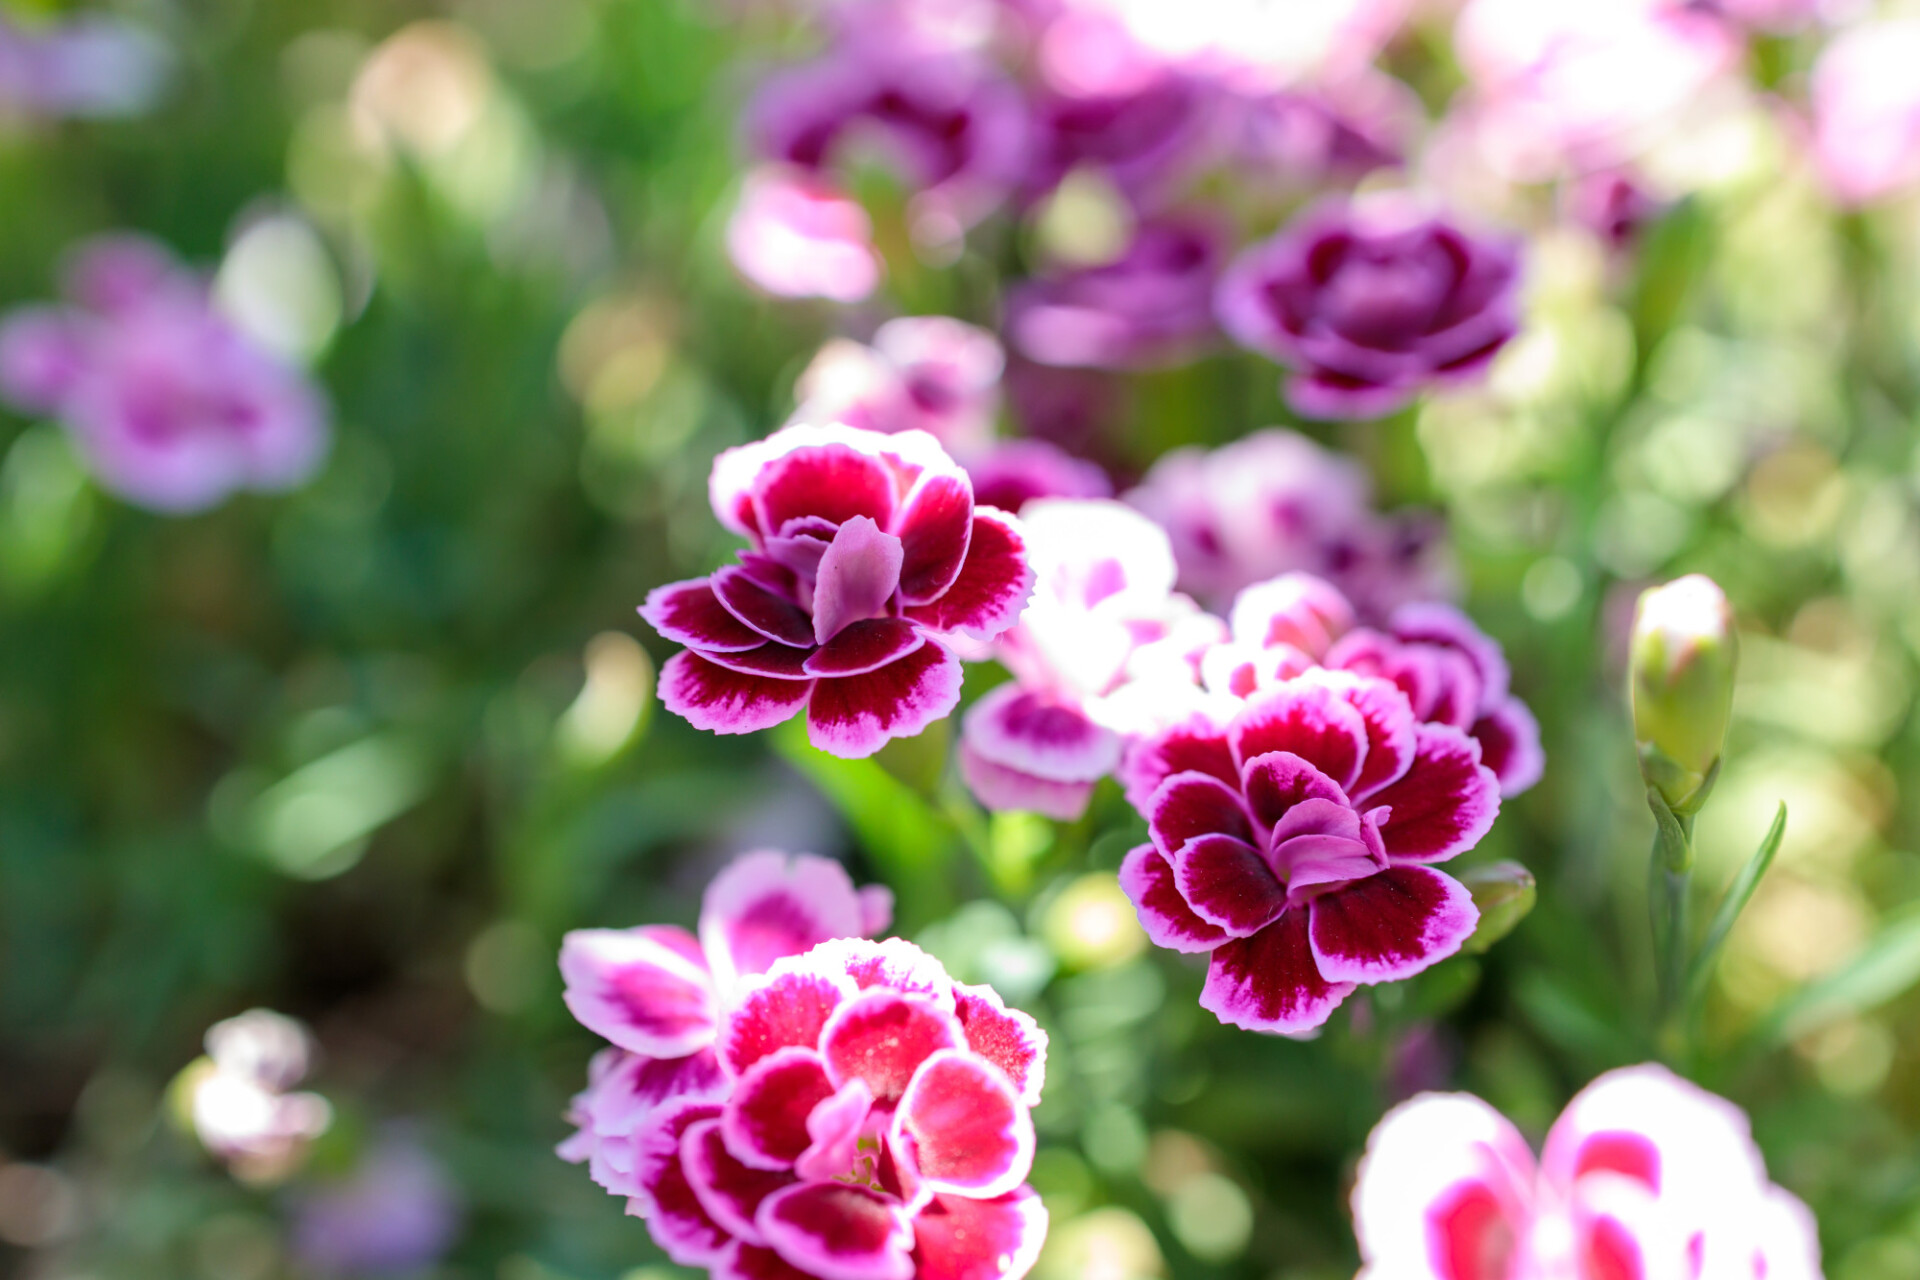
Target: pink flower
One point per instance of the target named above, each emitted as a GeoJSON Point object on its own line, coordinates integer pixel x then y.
{"type": "Point", "coordinates": [1151, 307]}
{"type": "Point", "coordinates": [171, 406]}
{"type": "Point", "coordinates": [1294, 843]}
{"type": "Point", "coordinates": [1013, 473]}
{"type": "Point", "coordinates": [921, 373]}
{"type": "Point", "coordinates": [868, 554]}
{"type": "Point", "coordinates": [796, 237]}
{"type": "Point", "coordinates": [1866, 111]}
{"type": "Point", "coordinates": [89, 66]}
{"type": "Point", "coordinates": [1451, 672]}
{"type": "Point", "coordinates": [1080, 656]}
{"type": "Point", "coordinates": [851, 1112]}
{"type": "Point", "coordinates": [1643, 1176]}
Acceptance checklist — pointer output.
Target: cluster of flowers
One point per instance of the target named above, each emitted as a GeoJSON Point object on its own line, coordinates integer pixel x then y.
{"type": "Point", "coordinates": [171, 405]}
{"type": "Point", "coordinates": [786, 1099]}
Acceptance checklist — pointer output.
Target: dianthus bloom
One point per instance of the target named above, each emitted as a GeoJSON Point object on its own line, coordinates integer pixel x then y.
{"type": "Point", "coordinates": [841, 1110]}
{"type": "Point", "coordinates": [1371, 304]}
{"type": "Point", "coordinates": [1295, 843]}
{"type": "Point", "coordinates": [867, 555]}
{"type": "Point", "coordinates": [1643, 1176]}
{"type": "Point", "coordinates": [1082, 659]}
{"type": "Point", "coordinates": [796, 237]}
{"type": "Point", "coordinates": [1153, 306]}
{"type": "Point", "coordinates": [1866, 111]}
{"type": "Point", "coordinates": [921, 373]}
{"type": "Point", "coordinates": [1451, 672]}
{"type": "Point", "coordinates": [170, 404]}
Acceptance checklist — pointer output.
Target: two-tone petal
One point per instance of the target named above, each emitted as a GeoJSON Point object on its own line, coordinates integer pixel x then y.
{"type": "Point", "coordinates": [646, 989]}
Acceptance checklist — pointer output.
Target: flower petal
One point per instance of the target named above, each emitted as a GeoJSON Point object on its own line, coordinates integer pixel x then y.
{"type": "Point", "coordinates": [1147, 878]}
{"type": "Point", "coordinates": [1228, 884]}
{"type": "Point", "coordinates": [882, 1038]}
{"type": "Point", "coordinates": [1308, 719]}
{"type": "Point", "coordinates": [1001, 788]}
{"type": "Point", "coordinates": [857, 577]}
{"type": "Point", "coordinates": [1276, 782]}
{"type": "Point", "coordinates": [1431, 622]}
{"type": "Point", "coordinates": [864, 646]}
{"type": "Point", "coordinates": [833, 1132]}
{"type": "Point", "coordinates": [625, 1088]}
{"type": "Point", "coordinates": [1390, 724]}
{"type": "Point", "coordinates": [832, 480]}
{"type": "Point", "coordinates": [743, 1261]}
{"type": "Point", "coordinates": [964, 1126]}
{"type": "Point", "coordinates": [1444, 803]}
{"type": "Point", "coordinates": [1008, 1038]}
{"type": "Point", "coordinates": [890, 963]}
{"type": "Point", "coordinates": [1269, 982]}
{"type": "Point", "coordinates": [771, 661]}
{"type": "Point", "coordinates": [765, 1122]}
{"type": "Point", "coordinates": [1509, 739]}
{"type": "Point", "coordinates": [710, 697]}
{"type": "Point", "coordinates": [1038, 735]}
{"type": "Point", "coordinates": [690, 613]}
{"type": "Point", "coordinates": [1197, 746]}
{"type": "Point", "coordinates": [935, 526]}
{"type": "Point", "coordinates": [1294, 609]}
{"type": "Point", "coordinates": [993, 585]}
{"type": "Point", "coordinates": [675, 1217]}
{"type": "Point", "coordinates": [854, 716]}
{"type": "Point", "coordinates": [644, 989]}
{"type": "Point", "coordinates": [1189, 805]}
{"type": "Point", "coordinates": [789, 1007]}
{"type": "Point", "coordinates": [767, 905]}
{"type": "Point", "coordinates": [966, 1239]}
{"type": "Point", "coordinates": [1390, 925]}
{"type": "Point", "coordinates": [728, 1190]}
{"type": "Point", "coordinates": [876, 909]}
{"type": "Point", "coordinates": [760, 608]}
{"type": "Point", "coordinates": [836, 1231]}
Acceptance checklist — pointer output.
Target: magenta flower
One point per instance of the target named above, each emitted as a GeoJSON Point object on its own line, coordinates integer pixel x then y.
{"type": "Point", "coordinates": [1151, 307]}
{"type": "Point", "coordinates": [1012, 473]}
{"type": "Point", "coordinates": [1866, 111]}
{"type": "Point", "coordinates": [921, 373]}
{"type": "Point", "coordinates": [170, 405]}
{"type": "Point", "coordinates": [1371, 305]}
{"type": "Point", "coordinates": [1644, 1175]}
{"type": "Point", "coordinates": [1451, 672]}
{"type": "Point", "coordinates": [867, 555]}
{"type": "Point", "coordinates": [1296, 842]}
{"type": "Point", "coordinates": [795, 236]}
{"type": "Point", "coordinates": [1308, 138]}
{"type": "Point", "coordinates": [850, 1112]}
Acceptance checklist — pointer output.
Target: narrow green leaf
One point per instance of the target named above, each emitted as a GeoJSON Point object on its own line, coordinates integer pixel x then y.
{"type": "Point", "coordinates": [1885, 968]}
{"type": "Point", "coordinates": [1734, 903]}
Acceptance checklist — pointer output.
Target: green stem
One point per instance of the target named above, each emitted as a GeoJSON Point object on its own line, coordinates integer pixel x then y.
{"type": "Point", "coordinates": [1670, 876]}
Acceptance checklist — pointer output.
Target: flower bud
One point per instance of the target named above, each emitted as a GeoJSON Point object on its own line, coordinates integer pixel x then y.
{"type": "Point", "coordinates": [1682, 659]}
{"type": "Point", "coordinates": [1504, 893]}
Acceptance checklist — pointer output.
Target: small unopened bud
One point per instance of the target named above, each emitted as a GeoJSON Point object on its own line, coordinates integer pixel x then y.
{"type": "Point", "coordinates": [1504, 892]}
{"type": "Point", "coordinates": [1682, 660]}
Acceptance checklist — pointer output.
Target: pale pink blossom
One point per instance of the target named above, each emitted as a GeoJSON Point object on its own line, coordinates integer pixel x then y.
{"type": "Point", "coordinates": [1866, 111]}
{"type": "Point", "coordinates": [241, 1098]}
{"type": "Point", "coordinates": [795, 236]}
{"type": "Point", "coordinates": [920, 373]}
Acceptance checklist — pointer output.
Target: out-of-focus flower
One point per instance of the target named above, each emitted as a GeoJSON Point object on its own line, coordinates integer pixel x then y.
{"type": "Point", "coordinates": [1307, 138]}
{"type": "Point", "coordinates": [1371, 304]}
{"type": "Point", "coordinates": [1610, 204]}
{"type": "Point", "coordinates": [1866, 110]}
{"type": "Point", "coordinates": [170, 404]}
{"type": "Point", "coordinates": [1294, 844]}
{"type": "Point", "coordinates": [922, 373]}
{"type": "Point", "coordinates": [1152, 306]}
{"type": "Point", "coordinates": [1260, 44]}
{"type": "Point", "coordinates": [89, 65]}
{"type": "Point", "coordinates": [1103, 592]}
{"type": "Point", "coordinates": [239, 1101]}
{"type": "Point", "coordinates": [1275, 502]}
{"type": "Point", "coordinates": [1643, 1175]}
{"type": "Point", "coordinates": [1566, 84]}
{"type": "Point", "coordinates": [797, 237]}
{"type": "Point", "coordinates": [1776, 15]}
{"type": "Point", "coordinates": [1012, 473]}
{"type": "Point", "coordinates": [1682, 661]}
{"type": "Point", "coordinates": [855, 1113]}
{"type": "Point", "coordinates": [868, 555]}
{"type": "Point", "coordinates": [397, 1212]}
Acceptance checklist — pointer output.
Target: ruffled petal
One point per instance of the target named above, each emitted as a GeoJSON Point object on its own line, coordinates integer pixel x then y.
{"type": "Point", "coordinates": [1390, 925]}
{"type": "Point", "coordinates": [1190, 805]}
{"type": "Point", "coordinates": [713, 698]}
{"type": "Point", "coordinates": [857, 577]}
{"type": "Point", "coordinates": [1276, 782]}
{"type": "Point", "coordinates": [690, 613]}
{"type": "Point", "coordinates": [759, 608]}
{"type": "Point", "coordinates": [1444, 803]}
{"type": "Point", "coordinates": [765, 1122]}
{"type": "Point", "coordinates": [864, 646]}
{"type": "Point", "coordinates": [767, 905]}
{"type": "Point", "coordinates": [833, 1132]}
{"type": "Point", "coordinates": [1309, 719]}
{"type": "Point", "coordinates": [1228, 884]}
{"type": "Point", "coordinates": [643, 989]}
{"type": "Point", "coordinates": [993, 585]}
{"type": "Point", "coordinates": [1008, 1038]}
{"type": "Point", "coordinates": [625, 1088]}
{"type": "Point", "coordinates": [1509, 739]}
{"type": "Point", "coordinates": [787, 1008]}
{"type": "Point", "coordinates": [1269, 982]}
{"type": "Point", "coordinates": [1002, 789]}
{"type": "Point", "coordinates": [966, 1239]}
{"type": "Point", "coordinates": [727, 1189]}
{"type": "Point", "coordinates": [675, 1217]}
{"type": "Point", "coordinates": [963, 1124]}
{"type": "Point", "coordinates": [1390, 728]}
{"type": "Point", "coordinates": [1036, 735]}
{"type": "Point", "coordinates": [1295, 609]}
{"type": "Point", "coordinates": [855, 716]}
{"type": "Point", "coordinates": [890, 963]}
{"type": "Point", "coordinates": [935, 526]}
{"type": "Point", "coordinates": [1197, 746]}
{"type": "Point", "coordinates": [1432, 622]}
{"type": "Point", "coordinates": [882, 1038]}
{"type": "Point", "coordinates": [1147, 878]}
{"type": "Point", "coordinates": [837, 1231]}
{"type": "Point", "coordinates": [833, 481]}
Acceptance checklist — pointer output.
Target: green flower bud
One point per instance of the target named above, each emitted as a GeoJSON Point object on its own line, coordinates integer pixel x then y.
{"type": "Point", "coordinates": [1504, 892]}
{"type": "Point", "coordinates": [1682, 660]}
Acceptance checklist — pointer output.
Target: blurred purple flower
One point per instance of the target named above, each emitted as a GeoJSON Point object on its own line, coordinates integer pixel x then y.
{"type": "Point", "coordinates": [921, 373]}
{"type": "Point", "coordinates": [1372, 304]}
{"type": "Point", "coordinates": [1866, 111]}
{"type": "Point", "coordinates": [171, 405]}
{"type": "Point", "coordinates": [1611, 204]}
{"type": "Point", "coordinates": [1151, 307]}
{"type": "Point", "coordinates": [1012, 473]}
{"type": "Point", "coordinates": [90, 65]}
{"type": "Point", "coordinates": [398, 1212]}
{"type": "Point", "coordinates": [796, 237]}
{"type": "Point", "coordinates": [1308, 138]}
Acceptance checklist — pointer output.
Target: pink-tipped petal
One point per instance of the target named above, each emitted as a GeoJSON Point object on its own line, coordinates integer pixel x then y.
{"type": "Point", "coordinates": [855, 716]}
{"type": "Point", "coordinates": [1003, 789]}
{"type": "Point", "coordinates": [665, 1198]}
{"type": "Point", "coordinates": [760, 608]}
{"type": "Point", "coordinates": [993, 585]}
{"type": "Point", "coordinates": [864, 646]}
{"type": "Point", "coordinates": [831, 480]}
{"type": "Point", "coordinates": [1228, 884]}
{"type": "Point", "coordinates": [882, 1038]}
{"type": "Point", "coordinates": [858, 574]}
{"type": "Point", "coordinates": [1196, 746]}
{"type": "Point", "coordinates": [1147, 878]}
{"type": "Point", "coordinates": [1269, 982]}
{"type": "Point", "coordinates": [890, 963]}
{"type": "Point", "coordinates": [644, 989]}
{"type": "Point", "coordinates": [625, 1088]}
{"type": "Point", "coordinates": [1275, 783]}
{"type": "Point", "coordinates": [1309, 720]}
{"type": "Point", "coordinates": [1509, 739]}
{"type": "Point", "coordinates": [789, 1007]}
{"type": "Point", "coordinates": [956, 1238]}
{"type": "Point", "coordinates": [935, 527]}
{"type": "Point", "coordinates": [710, 697]}
{"type": "Point", "coordinates": [1034, 734]}
{"type": "Point", "coordinates": [727, 1189]}
{"type": "Point", "coordinates": [768, 905]}
{"type": "Point", "coordinates": [1008, 1038]}
{"type": "Point", "coordinates": [837, 1231]}
{"type": "Point", "coordinates": [966, 1129]}
{"type": "Point", "coordinates": [1444, 803]}
{"type": "Point", "coordinates": [690, 613]}
{"type": "Point", "coordinates": [1189, 805]}
{"type": "Point", "coordinates": [765, 1122]}
{"type": "Point", "coordinates": [1390, 925]}
{"type": "Point", "coordinates": [833, 1132]}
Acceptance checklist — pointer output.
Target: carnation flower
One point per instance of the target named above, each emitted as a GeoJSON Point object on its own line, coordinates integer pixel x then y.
{"type": "Point", "coordinates": [1643, 1175]}
{"type": "Point", "coordinates": [170, 405]}
{"type": "Point", "coordinates": [1371, 304]}
{"type": "Point", "coordinates": [1295, 844]}
{"type": "Point", "coordinates": [850, 1112]}
{"type": "Point", "coordinates": [868, 556]}
{"type": "Point", "coordinates": [921, 373]}
{"type": "Point", "coordinates": [795, 236]}
{"type": "Point", "coordinates": [1152, 306]}
{"type": "Point", "coordinates": [1082, 656]}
